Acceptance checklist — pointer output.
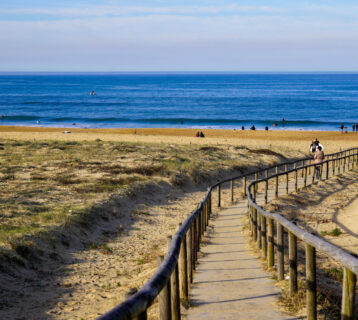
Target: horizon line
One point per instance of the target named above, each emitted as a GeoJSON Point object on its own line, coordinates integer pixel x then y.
{"type": "Point", "coordinates": [181, 72]}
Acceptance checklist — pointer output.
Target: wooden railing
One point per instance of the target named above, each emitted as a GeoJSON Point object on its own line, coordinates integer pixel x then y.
{"type": "Point", "coordinates": [264, 224]}
{"type": "Point", "coordinates": [172, 280]}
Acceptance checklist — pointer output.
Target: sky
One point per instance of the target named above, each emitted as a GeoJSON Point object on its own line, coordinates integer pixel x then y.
{"type": "Point", "coordinates": [181, 35]}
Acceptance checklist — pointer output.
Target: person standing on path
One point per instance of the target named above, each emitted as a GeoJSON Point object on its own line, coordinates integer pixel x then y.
{"type": "Point", "coordinates": [318, 158]}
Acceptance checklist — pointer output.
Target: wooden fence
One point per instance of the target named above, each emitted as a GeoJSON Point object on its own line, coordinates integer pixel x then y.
{"type": "Point", "coordinates": [172, 280]}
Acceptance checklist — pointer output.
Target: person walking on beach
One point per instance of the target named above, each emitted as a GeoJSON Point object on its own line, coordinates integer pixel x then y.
{"type": "Point", "coordinates": [318, 158]}
{"type": "Point", "coordinates": [342, 127]}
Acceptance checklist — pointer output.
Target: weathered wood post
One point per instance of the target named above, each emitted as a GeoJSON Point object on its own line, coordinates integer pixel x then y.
{"type": "Point", "coordinates": [219, 195]}
{"type": "Point", "coordinates": [164, 298]}
{"type": "Point", "coordinates": [266, 173]}
{"type": "Point", "coordinates": [256, 178]}
{"type": "Point", "coordinates": [348, 294]}
{"type": "Point", "coordinates": [313, 175]}
{"type": "Point", "coordinates": [255, 224]}
{"type": "Point", "coordinates": [189, 241]}
{"type": "Point", "coordinates": [296, 180]}
{"type": "Point", "coordinates": [344, 164]}
{"type": "Point", "coordinates": [266, 190]}
{"type": "Point", "coordinates": [277, 169]}
{"type": "Point", "coordinates": [174, 289]}
{"type": "Point", "coordinates": [286, 182]}
{"type": "Point", "coordinates": [195, 248]}
{"type": "Point", "coordinates": [244, 185]}
{"type": "Point", "coordinates": [305, 179]}
{"type": "Point", "coordinates": [251, 221]}
{"type": "Point", "coordinates": [232, 190]}
{"type": "Point", "coordinates": [311, 290]}
{"type": "Point", "coordinates": [259, 229]}
{"type": "Point", "coordinates": [327, 170]}
{"type": "Point", "coordinates": [270, 248]}
{"type": "Point", "coordinates": [309, 168]}
{"type": "Point", "coordinates": [293, 262]}
{"type": "Point", "coordinates": [203, 220]}
{"type": "Point", "coordinates": [200, 224]}
{"type": "Point", "coordinates": [263, 237]}
{"type": "Point", "coordinates": [280, 253]}
{"type": "Point", "coordinates": [303, 164]}
{"type": "Point", "coordinates": [183, 269]}
{"type": "Point", "coordinates": [276, 187]}
{"type": "Point", "coordinates": [143, 315]}
{"type": "Point", "coordinates": [210, 204]}
{"type": "Point", "coordinates": [334, 166]}
{"type": "Point", "coordinates": [254, 193]}
{"type": "Point", "coordinates": [339, 165]}
{"type": "Point", "coordinates": [197, 240]}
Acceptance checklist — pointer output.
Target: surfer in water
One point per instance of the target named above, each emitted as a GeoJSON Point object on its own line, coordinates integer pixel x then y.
{"type": "Point", "coordinates": [92, 93]}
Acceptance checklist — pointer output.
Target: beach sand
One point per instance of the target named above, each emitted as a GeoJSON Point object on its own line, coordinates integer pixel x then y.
{"type": "Point", "coordinates": [87, 283]}
{"type": "Point", "coordinates": [300, 140]}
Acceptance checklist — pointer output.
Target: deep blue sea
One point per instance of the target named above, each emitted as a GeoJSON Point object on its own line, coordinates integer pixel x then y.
{"type": "Point", "coordinates": [305, 101]}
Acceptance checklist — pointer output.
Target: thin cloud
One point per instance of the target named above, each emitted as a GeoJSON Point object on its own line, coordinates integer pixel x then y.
{"type": "Point", "coordinates": [100, 11]}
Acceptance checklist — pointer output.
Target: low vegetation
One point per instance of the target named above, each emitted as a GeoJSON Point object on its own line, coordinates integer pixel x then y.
{"type": "Point", "coordinates": [55, 184]}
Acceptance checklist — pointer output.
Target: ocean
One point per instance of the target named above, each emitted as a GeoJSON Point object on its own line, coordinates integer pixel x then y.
{"type": "Point", "coordinates": [187, 100]}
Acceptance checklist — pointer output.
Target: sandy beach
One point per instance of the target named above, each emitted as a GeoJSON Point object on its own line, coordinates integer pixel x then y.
{"type": "Point", "coordinates": [82, 271]}
{"type": "Point", "coordinates": [300, 140]}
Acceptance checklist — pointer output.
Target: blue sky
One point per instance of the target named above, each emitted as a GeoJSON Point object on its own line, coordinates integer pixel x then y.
{"type": "Point", "coordinates": [196, 35]}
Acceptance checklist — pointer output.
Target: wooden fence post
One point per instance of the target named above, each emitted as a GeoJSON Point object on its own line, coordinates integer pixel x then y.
{"type": "Point", "coordinates": [305, 179]}
{"type": "Point", "coordinates": [303, 164]}
{"type": "Point", "coordinates": [258, 229]}
{"type": "Point", "coordinates": [244, 185]}
{"type": "Point", "coordinates": [189, 241]}
{"type": "Point", "coordinates": [344, 164]}
{"type": "Point", "coordinates": [174, 290]}
{"type": "Point", "coordinates": [277, 169]}
{"type": "Point", "coordinates": [266, 173]}
{"type": "Point", "coordinates": [256, 178]}
{"type": "Point", "coordinates": [348, 294]}
{"type": "Point", "coordinates": [296, 180]}
{"type": "Point", "coordinates": [293, 262]}
{"type": "Point", "coordinates": [276, 187]}
{"type": "Point", "coordinates": [266, 190]}
{"type": "Point", "coordinates": [313, 175]}
{"type": "Point", "coordinates": [255, 224]}
{"type": "Point", "coordinates": [197, 235]}
{"type": "Point", "coordinates": [327, 170]}
{"type": "Point", "coordinates": [286, 182]}
{"type": "Point", "coordinates": [232, 190]}
{"type": "Point", "coordinates": [195, 248]}
{"type": "Point", "coordinates": [219, 195]}
{"type": "Point", "coordinates": [270, 248]}
{"type": "Point", "coordinates": [164, 298]}
{"type": "Point", "coordinates": [183, 268]}
{"type": "Point", "coordinates": [311, 291]}
{"type": "Point", "coordinates": [263, 237]}
{"type": "Point", "coordinates": [334, 166]}
{"type": "Point", "coordinates": [280, 253]}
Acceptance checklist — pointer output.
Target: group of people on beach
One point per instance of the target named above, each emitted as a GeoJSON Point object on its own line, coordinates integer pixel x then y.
{"type": "Point", "coordinates": [200, 134]}
{"type": "Point", "coordinates": [254, 128]}
{"type": "Point", "coordinates": [354, 128]}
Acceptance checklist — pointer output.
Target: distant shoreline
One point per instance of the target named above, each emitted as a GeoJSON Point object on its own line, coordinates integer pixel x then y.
{"type": "Point", "coordinates": [186, 132]}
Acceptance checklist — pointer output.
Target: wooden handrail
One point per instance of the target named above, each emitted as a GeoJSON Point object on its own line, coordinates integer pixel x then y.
{"type": "Point", "coordinates": [311, 241]}
{"type": "Point", "coordinates": [135, 307]}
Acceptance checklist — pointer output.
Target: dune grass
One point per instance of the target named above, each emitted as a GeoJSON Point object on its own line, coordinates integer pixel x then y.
{"type": "Point", "coordinates": [47, 184]}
